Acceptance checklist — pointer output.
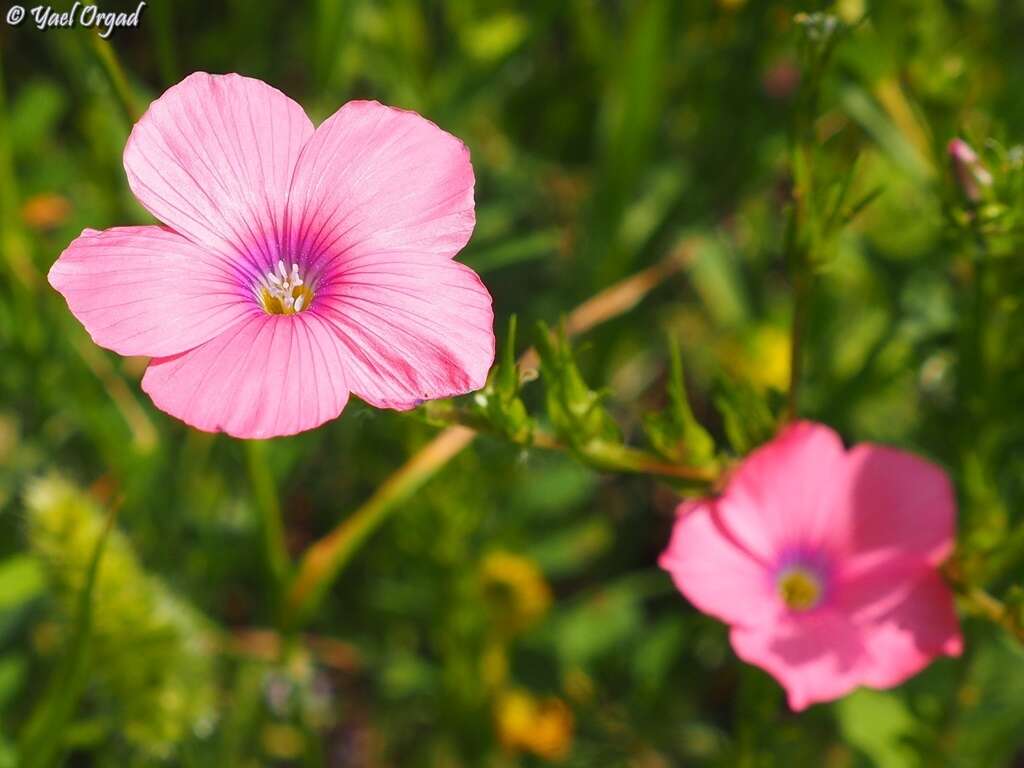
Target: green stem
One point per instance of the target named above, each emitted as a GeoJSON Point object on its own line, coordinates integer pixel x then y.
{"type": "Point", "coordinates": [981, 603]}
{"type": "Point", "coordinates": [264, 491]}
{"type": "Point", "coordinates": [801, 296]}
{"type": "Point", "coordinates": [112, 68]}
{"type": "Point", "coordinates": [324, 560]}
{"type": "Point", "coordinates": [13, 242]}
{"type": "Point", "coordinates": [599, 454]}
{"type": "Point", "coordinates": [163, 33]}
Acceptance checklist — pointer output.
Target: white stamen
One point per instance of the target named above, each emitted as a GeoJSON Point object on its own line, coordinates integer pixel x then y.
{"type": "Point", "coordinates": [280, 285]}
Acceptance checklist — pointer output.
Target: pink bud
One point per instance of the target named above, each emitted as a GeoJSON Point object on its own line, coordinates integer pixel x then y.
{"type": "Point", "coordinates": [970, 174]}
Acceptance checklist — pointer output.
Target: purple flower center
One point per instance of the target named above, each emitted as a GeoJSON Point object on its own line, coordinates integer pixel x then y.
{"type": "Point", "coordinates": [799, 588]}
{"type": "Point", "coordinates": [284, 292]}
{"type": "Point", "coordinates": [801, 580]}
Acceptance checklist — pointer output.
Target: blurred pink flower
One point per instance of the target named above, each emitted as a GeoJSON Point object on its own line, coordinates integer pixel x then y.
{"type": "Point", "coordinates": [296, 265]}
{"type": "Point", "coordinates": [824, 563]}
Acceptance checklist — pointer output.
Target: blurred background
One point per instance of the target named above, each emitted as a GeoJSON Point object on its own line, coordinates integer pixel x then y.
{"type": "Point", "coordinates": [511, 613]}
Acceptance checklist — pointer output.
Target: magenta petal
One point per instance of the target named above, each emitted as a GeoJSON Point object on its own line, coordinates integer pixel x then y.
{"type": "Point", "coordinates": [213, 158]}
{"type": "Point", "coordinates": [147, 290]}
{"type": "Point", "coordinates": [867, 588]}
{"type": "Point", "coordinates": [269, 375]}
{"type": "Point", "coordinates": [895, 501]}
{"type": "Point", "coordinates": [817, 657]}
{"type": "Point", "coordinates": [412, 328]}
{"type": "Point", "coordinates": [910, 634]}
{"type": "Point", "coordinates": [713, 572]}
{"type": "Point", "coordinates": [782, 496]}
{"type": "Point", "coordinates": [381, 181]}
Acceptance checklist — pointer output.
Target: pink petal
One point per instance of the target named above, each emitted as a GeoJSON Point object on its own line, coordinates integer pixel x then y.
{"type": "Point", "coordinates": [213, 158]}
{"type": "Point", "coordinates": [714, 572]}
{"type": "Point", "coordinates": [868, 588]}
{"type": "Point", "coordinates": [412, 328]}
{"type": "Point", "coordinates": [147, 290]}
{"type": "Point", "coordinates": [380, 181]}
{"type": "Point", "coordinates": [910, 634]}
{"type": "Point", "coordinates": [895, 501]}
{"type": "Point", "coordinates": [269, 375]}
{"type": "Point", "coordinates": [815, 657]}
{"type": "Point", "coordinates": [783, 494]}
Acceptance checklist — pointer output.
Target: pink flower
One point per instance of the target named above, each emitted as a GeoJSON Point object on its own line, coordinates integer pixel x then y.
{"type": "Point", "coordinates": [297, 265]}
{"type": "Point", "coordinates": [824, 563]}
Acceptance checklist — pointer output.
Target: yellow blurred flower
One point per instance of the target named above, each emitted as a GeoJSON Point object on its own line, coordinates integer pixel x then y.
{"type": "Point", "coordinates": [282, 741]}
{"type": "Point", "coordinates": [543, 727]}
{"type": "Point", "coordinates": [850, 11]}
{"type": "Point", "coordinates": [761, 357]}
{"type": "Point", "coordinates": [515, 590]}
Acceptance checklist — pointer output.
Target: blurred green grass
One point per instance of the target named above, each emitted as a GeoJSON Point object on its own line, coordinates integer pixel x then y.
{"type": "Point", "coordinates": [603, 134]}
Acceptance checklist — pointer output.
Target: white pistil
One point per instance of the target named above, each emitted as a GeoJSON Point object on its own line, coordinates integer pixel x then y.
{"type": "Point", "coordinates": [282, 291]}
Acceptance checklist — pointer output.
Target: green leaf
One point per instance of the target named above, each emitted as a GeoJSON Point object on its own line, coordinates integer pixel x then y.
{"type": "Point", "coordinates": [749, 419]}
{"type": "Point", "coordinates": [498, 404]}
{"type": "Point", "coordinates": [21, 580]}
{"type": "Point", "coordinates": [12, 675]}
{"type": "Point", "coordinates": [675, 433]}
{"type": "Point", "coordinates": [879, 724]}
{"type": "Point", "coordinates": [531, 246]}
{"type": "Point", "coordinates": [576, 411]}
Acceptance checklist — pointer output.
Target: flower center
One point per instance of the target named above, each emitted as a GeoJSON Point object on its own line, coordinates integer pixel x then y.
{"type": "Point", "coordinates": [799, 588]}
{"type": "Point", "coordinates": [284, 292]}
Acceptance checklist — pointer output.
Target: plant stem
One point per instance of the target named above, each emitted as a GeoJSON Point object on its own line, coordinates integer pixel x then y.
{"type": "Point", "coordinates": [13, 242]}
{"type": "Point", "coordinates": [607, 457]}
{"type": "Point", "coordinates": [112, 68]}
{"type": "Point", "coordinates": [163, 34]}
{"type": "Point", "coordinates": [323, 561]}
{"type": "Point", "coordinates": [144, 434]}
{"type": "Point", "coordinates": [984, 604]}
{"type": "Point", "coordinates": [264, 491]}
{"type": "Point", "coordinates": [801, 295]}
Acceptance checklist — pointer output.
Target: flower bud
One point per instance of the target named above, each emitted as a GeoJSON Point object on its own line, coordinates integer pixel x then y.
{"type": "Point", "coordinates": [970, 173]}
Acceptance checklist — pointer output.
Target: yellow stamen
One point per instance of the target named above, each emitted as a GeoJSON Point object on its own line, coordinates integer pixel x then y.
{"type": "Point", "coordinates": [284, 292]}
{"type": "Point", "coordinates": [799, 588]}
{"type": "Point", "coordinates": [301, 295]}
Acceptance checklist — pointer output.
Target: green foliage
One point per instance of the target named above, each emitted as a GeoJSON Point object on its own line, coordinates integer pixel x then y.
{"type": "Point", "coordinates": [576, 411]}
{"type": "Point", "coordinates": [499, 404]}
{"type": "Point", "coordinates": [675, 433]}
{"type": "Point", "coordinates": [748, 418]}
{"type": "Point", "coordinates": [149, 650]}
{"type": "Point", "coordinates": [790, 160]}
